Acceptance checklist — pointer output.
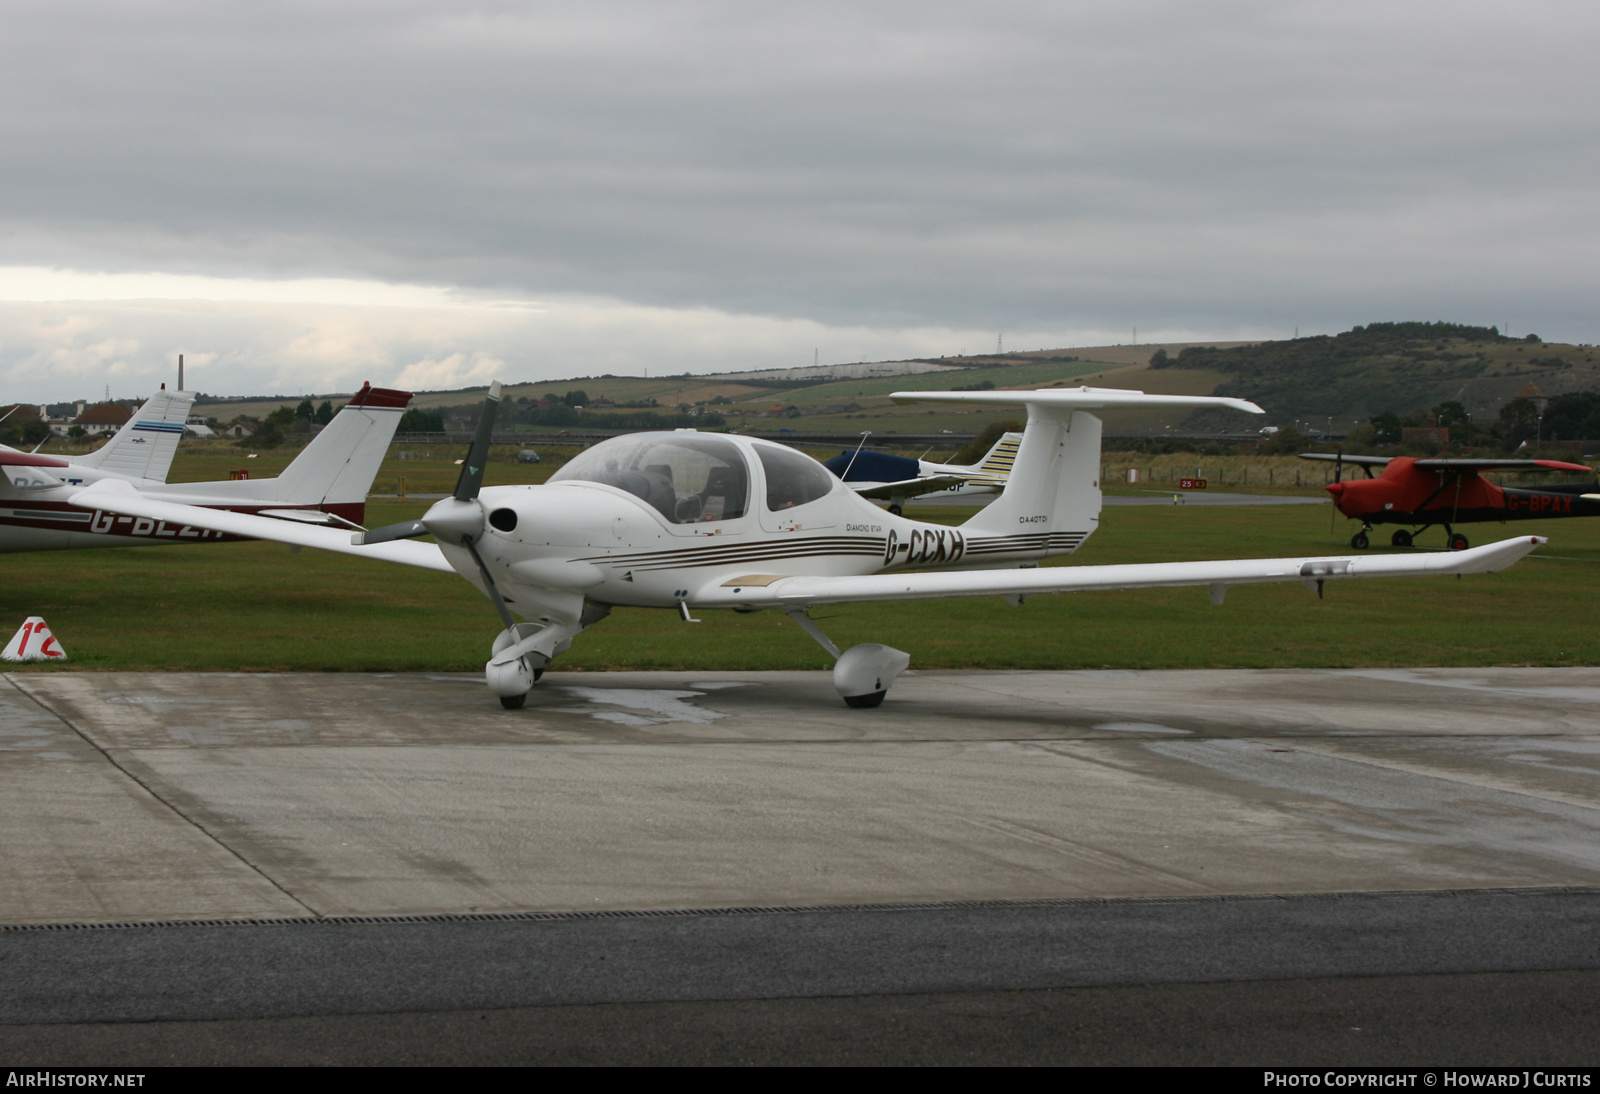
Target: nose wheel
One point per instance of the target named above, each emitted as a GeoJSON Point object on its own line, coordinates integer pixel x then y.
{"type": "Point", "coordinates": [1360, 541]}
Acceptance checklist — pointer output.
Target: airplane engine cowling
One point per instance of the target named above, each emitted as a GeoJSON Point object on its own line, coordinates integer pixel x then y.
{"type": "Point", "coordinates": [863, 673]}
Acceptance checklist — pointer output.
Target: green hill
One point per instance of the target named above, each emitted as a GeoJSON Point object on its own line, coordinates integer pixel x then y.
{"type": "Point", "coordinates": [1396, 368]}
{"type": "Point", "coordinates": [1328, 382]}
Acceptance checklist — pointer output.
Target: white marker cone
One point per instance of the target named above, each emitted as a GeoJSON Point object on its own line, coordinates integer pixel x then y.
{"type": "Point", "coordinates": [33, 642]}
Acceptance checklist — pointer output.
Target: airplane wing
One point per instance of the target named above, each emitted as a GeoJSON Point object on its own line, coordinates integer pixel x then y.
{"type": "Point", "coordinates": [771, 591]}
{"type": "Point", "coordinates": [1500, 465]}
{"type": "Point", "coordinates": [1358, 461]}
{"type": "Point", "coordinates": [123, 498]}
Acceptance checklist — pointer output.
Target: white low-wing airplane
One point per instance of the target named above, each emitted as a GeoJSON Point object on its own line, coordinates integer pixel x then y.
{"type": "Point", "coordinates": [691, 521]}
{"type": "Point", "coordinates": [326, 484]}
{"type": "Point", "coordinates": [896, 479]}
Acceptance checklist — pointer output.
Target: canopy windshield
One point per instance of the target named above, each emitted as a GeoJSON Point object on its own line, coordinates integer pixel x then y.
{"type": "Point", "coordinates": [689, 479]}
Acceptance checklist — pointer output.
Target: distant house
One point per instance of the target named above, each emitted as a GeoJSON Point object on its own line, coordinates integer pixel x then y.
{"type": "Point", "coordinates": [104, 418]}
{"type": "Point", "coordinates": [238, 429]}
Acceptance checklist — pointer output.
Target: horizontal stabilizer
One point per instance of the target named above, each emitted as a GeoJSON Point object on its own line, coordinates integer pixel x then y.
{"type": "Point", "coordinates": [1077, 398]}
{"type": "Point", "coordinates": [910, 487]}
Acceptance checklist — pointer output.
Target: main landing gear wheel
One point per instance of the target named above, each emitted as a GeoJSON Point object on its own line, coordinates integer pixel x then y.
{"type": "Point", "coordinates": [1402, 538]}
{"type": "Point", "coordinates": [1360, 541]}
{"type": "Point", "coordinates": [872, 700]}
{"type": "Point", "coordinates": [1458, 542]}
{"type": "Point", "coordinates": [895, 509]}
{"type": "Point", "coordinates": [513, 702]}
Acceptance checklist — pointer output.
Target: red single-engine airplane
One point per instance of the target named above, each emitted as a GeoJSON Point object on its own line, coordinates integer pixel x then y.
{"type": "Point", "coordinates": [1448, 492]}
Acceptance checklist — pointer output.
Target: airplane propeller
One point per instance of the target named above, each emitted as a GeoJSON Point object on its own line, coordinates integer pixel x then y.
{"type": "Point", "coordinates": [1338, 470]}
{"type": "Point", "coordinates": [459, 518]}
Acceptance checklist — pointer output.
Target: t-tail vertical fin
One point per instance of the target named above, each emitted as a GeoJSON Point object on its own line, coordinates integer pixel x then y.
{"type": "Point", "coordinates": [1052, 495]}
{"type": "Point", "coordinates": [1053, 491]}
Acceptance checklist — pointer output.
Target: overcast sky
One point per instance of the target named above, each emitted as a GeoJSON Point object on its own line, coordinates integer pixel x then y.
{"type": "Point", "coordinates": [304, 196]}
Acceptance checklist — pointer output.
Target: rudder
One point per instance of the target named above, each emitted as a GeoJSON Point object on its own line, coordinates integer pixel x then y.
{"type": "Point", "coordinates": [338, 466]}
{"type": "Point", "coordinates": [1054, 487]}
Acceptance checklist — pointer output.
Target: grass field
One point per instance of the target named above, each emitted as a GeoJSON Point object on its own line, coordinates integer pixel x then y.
{"type": "Point", "coordinates": [261, 607]}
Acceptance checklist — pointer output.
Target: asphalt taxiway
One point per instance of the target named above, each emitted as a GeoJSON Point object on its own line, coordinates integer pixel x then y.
{"type": "Point", "coordinates": [261, 849]}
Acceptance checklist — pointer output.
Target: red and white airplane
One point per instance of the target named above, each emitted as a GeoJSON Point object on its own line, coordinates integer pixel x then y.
{"type": "Point", "coordinates": [692, 521]}
{"type": "Point", "coordinates": [326, 484]}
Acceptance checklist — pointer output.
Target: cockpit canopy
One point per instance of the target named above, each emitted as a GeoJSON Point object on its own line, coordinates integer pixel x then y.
{"type": "Point", "coordinates": [693, 478]}
{"type": "Point", "coordinates": [687, 478]}
{"type": "Point", "coordinates": [793, 478]}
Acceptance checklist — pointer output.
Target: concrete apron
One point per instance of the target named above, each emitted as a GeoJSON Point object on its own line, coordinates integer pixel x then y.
{"type": "Point", "coordinates": [183, 796]}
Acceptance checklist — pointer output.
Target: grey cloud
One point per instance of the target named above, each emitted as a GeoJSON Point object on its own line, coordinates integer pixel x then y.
{"type": "Point", "coordinates": [1211, 167]}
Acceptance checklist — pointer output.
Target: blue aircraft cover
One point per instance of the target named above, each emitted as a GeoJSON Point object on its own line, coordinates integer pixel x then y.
{"type": "Point", "coordinates": [872, 467]}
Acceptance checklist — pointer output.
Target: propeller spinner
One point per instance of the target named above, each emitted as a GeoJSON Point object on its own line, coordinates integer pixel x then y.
{"type": "Point", "coordinates": [459, 518]}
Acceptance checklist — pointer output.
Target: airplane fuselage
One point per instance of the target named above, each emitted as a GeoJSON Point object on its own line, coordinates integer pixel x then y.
{"type": "Point", "coordinates": [552, 548]}
{"type": "Point", "coordinates": [37, 515]}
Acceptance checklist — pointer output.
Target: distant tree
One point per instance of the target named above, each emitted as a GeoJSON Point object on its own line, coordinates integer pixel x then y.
{"type": "Point", "coordinates": [1158, 359]}
{"type": "Point", "coordinates": [421, 421]}
{"type": "Point", "coordinates": [977, 448]}
{"type": "Point", "coordinates": [1386, 428]}
{"type": "Point", "coordinates": [1573, 416]}
{"type": "Point", "coordinates": [1519, 421]}
{"type": "Point", "coordinates": [306, 412]}
{"type": "Point", "coordinates": [1450, 414]}
{"type": "Point", "coordinates": [270, 436]}
{"type": "Point", "coordinates": [1285, 442]}
{"type": "Point", "coordinates": [26, 433]}
{"type": "Point", "coordinates": [325, 413]}
{"type": "Point", "coordinates": [1531, 337]}
{"type": "Point", "coordinates": [280, 419]}
{"type": "Point", "coordinates": [558, 414]}
{"type": "Point", "coordinates": [1196, 356]}
{"type": "Point", "coordinates": [578, 397]}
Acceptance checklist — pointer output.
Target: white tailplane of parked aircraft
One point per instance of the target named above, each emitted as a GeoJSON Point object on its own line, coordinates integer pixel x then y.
{"type": "Point", "coordinates": [693, 521]}
{"type": "Point", "coordinates": [326, 484]}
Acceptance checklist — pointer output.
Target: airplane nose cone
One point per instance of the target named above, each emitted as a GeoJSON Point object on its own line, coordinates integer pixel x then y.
{"type": "Point", "coordinates": [452, 520]}
{"type": "Point", "coordinates": [1336, 489]}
